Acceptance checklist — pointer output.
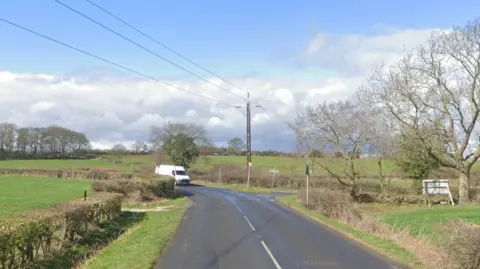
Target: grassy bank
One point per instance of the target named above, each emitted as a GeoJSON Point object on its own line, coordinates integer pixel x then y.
{"type": "Point", "coordinates": [20, 193]}
{"type": "Point", "coordinates": [383, 246]}
{"type": "Point", "coordinates": [140, 247]}
{"type": "Point", "coordinates": [242, 187]}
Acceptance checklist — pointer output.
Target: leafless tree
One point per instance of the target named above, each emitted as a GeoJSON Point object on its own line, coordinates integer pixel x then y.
{"type": "Point", "coordinates": [119, 150]}
{"type": "Point", "coordinates": [340, 126]}
{"type": "Point", "coordinates": [382, 132]}
{"type": "Point", "coordinates": [32, 141]}
{"type": "Point", "coordinates": [7, 136]}
{"type": "Point", "coordinates": [436, 88]}
{"type": "Point", "coordinates": [137, 146]}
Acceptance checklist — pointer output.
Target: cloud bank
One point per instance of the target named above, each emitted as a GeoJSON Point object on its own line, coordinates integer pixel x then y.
{"type": "Point", "coordinates": [111, 107]}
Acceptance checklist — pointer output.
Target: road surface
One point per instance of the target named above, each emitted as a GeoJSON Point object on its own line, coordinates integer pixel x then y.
{"type": "Point", "coordinates": [233, 230]}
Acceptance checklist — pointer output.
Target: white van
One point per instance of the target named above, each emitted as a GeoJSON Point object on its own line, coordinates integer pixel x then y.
{"type": "Point", "coordinates": [178, 172]}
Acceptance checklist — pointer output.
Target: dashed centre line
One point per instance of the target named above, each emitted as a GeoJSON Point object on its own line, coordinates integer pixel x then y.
{"type": "Point", "coordinates": [271, 255]}
{"type": "Point", "coordinates": [249, 223]}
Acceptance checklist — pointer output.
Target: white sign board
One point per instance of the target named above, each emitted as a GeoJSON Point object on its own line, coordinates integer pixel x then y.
{"type": "Point", "coordinates": [437, 187]}
{"type": "Point", "coordinates": [273, 171]}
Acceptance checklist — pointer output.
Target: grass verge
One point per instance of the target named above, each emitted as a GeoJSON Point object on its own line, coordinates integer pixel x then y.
{"type": "Point", "coordinates": [243, 188]}
{"type": "Point", "coordinates": [140, 247]}
{"type": "Point", "coordinates": [383, 246]}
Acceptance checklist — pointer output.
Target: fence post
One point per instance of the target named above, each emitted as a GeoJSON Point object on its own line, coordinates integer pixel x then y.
{"type": "Point", "coordinates": [220, 175]}
{"type": "Point", "coordinates": [273, 177]}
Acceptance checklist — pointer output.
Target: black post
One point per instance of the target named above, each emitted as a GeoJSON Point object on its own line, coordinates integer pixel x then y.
{"type": "Point", "coordinates": [84, 195]}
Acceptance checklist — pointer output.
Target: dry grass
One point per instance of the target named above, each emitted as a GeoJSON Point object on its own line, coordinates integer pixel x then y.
{"type": "Point", "coordinates": [339, 206]}
{"type": "Point", "coordinates": [462, 245]}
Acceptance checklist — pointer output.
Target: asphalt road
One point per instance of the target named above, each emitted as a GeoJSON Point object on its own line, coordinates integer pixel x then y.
{"type": "Point", "coordinates": [232, 230]}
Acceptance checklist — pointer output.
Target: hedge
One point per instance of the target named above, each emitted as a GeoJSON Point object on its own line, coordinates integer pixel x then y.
{"type": "Point", "coordinates": [71, 174]}
{"type": "Point", "coordinates": [46, 233]}
{"type": "Point", "coordinates": [147, 188]}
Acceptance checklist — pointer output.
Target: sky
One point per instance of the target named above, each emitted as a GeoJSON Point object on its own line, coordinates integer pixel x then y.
{"type": "Point", "coordinates": [287, 54]}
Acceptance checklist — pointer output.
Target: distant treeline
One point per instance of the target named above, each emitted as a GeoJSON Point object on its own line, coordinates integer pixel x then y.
{"type": "Point", "coordinates": [43, 142]}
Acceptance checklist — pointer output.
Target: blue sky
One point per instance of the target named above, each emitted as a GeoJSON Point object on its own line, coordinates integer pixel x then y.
{"type": "Point", "coordinates": [234, 38]}
{"type": "Point", "coordinates": [260, 44]}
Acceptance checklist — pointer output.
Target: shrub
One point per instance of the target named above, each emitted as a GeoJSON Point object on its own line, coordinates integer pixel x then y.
{"type": "Point", "coordinates": [462, 245]}
{"type": "Point", "coordinates": [333, 204]}
{"type": "Point", "coordinates": [147, 189]}
{"type": "Point", "coordinates": [44, 233]}
{"type": "Point", "coordinates": [125, 187]}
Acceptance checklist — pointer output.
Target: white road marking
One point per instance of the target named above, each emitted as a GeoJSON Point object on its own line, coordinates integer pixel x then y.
{"type": "Point", "coordinates": [238, 208]}
{"type": "Point", "coordinates": [271, 255]}
{"type": "Point", "coordinates": [249, 223]}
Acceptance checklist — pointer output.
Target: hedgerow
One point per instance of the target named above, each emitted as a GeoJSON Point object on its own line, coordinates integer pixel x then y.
{"type": "Point", "coordinates": [45, 233]}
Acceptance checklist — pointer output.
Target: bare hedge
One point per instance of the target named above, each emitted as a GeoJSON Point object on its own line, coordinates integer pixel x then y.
{"type": "Point", "coordinates": [70, 174]}
{"type": "Point", "coordinates": [147, 189]}
{"type": "Point", "coordinates": [45, 233]}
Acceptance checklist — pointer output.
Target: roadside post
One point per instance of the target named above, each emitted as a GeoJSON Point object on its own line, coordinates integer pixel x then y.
{"type": "Point", "coordinates": [274, 171]}
{"type": "Point", "coordinates": [307, 173]}
{"type": "Point", "coordinates": [220, 175]}
{"type": "Point", "coordinates": [248, 176]}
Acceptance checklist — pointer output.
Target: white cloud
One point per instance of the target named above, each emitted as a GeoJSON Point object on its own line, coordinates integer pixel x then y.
{"type": "Point", "coordinates": [121, 109]}
{"type": "Point", "coordinates": [358, 53]}
{"type": "Point", "coordinates": [42, 106]}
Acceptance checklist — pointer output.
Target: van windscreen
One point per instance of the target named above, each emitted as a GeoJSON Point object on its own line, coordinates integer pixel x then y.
{"type": "Point", "coordinates": [181, 173]}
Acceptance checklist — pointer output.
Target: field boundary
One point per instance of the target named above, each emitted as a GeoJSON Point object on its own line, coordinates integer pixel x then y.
{"type": "Point", "coordinates": [70, 174]}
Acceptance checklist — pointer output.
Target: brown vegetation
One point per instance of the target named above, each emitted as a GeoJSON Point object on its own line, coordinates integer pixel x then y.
{"type": "Point", "coordinates": [141, 189]}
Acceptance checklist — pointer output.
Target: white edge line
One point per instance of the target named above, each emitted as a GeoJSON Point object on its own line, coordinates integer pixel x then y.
{"type": "Point", "coordinates": [238, 208]}
{"type": "Point", "coordinates": [249, 223]}
{"type": "Point", "coordinates": [271, 255]}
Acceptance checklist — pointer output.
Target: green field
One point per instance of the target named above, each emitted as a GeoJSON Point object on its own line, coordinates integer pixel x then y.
{"type": "Point", "coordinates": [427, 221]}
{"type": "Point", "coordinates": [20, 193]}
{"type": "Point", "coordinates": [64, 164]}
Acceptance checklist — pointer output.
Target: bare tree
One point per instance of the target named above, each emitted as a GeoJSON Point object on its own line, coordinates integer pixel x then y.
{"type": "Point", "coordinates": [119, 150]}
{"type": "Point", "coordinates": [383, 134]}
{"type": "Point", "coordinates": [436, 88]}
{"type": "Point", "coordinates": [137, 146]}
{"type": "Point", "coordinates": [339, 126]}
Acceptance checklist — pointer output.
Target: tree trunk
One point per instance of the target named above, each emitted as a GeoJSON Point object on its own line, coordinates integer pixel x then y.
{"type": "Point", "coordinates": [464, 187]}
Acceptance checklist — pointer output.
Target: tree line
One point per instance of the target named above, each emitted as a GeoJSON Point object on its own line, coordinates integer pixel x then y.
{"type": "Point", "coordinates": [41, 142]}
{"type": "Point", "coordinates": [423, 110]}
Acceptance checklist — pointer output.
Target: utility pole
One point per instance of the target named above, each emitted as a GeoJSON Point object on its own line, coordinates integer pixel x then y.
{"type": "Point", "coordinates": [249, 134]}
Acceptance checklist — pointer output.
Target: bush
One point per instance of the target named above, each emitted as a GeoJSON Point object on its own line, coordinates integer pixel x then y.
{"type": "Point", "coordinates": [333, 204]}
{"type": "Point", "coordinates": [147, 189]}
{"type": "Point", "coordinates": [125, 187]}
{"type": "Point", "coordinates": [462, 245]}
{"type": "Point", "coordinates": [41, 234]}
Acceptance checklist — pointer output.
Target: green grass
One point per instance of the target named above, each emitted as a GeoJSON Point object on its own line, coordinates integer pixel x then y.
{"type": "Point", "coordinates": [240, 187]}
{"type": "Point", "coordinates": [297, 165]}
{"type": "Point", "coordinates": [141, 246]}
{"type": "Point", "coordinates": [427, 221]}
{"type": "Point", "coordinates": [64, 164]}
{"type": "Point", "coordinates": [21, 193]}
{"type": "Point", "coordinates": [386, 247]}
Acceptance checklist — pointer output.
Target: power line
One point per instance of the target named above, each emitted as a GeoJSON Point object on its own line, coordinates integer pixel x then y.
{"type": "Point", "coordinates": [163, 45]}
{"type": "Point", "coordinates": [170, 49]}
{"type": "Point", "coordinates": [144, 48]}
{"type": "Point", "coordinates": [104, 60]}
